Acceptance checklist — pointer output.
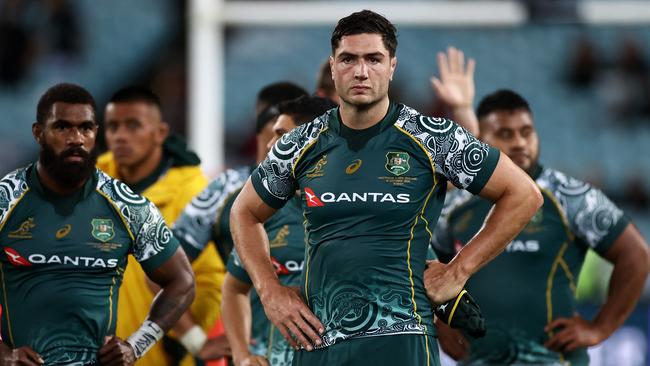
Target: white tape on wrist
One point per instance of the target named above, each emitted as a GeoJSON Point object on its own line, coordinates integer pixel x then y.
{"type": "Point", "coordinates": [193, 340]}
{"type": "Point", "coordinates": [145, 337]}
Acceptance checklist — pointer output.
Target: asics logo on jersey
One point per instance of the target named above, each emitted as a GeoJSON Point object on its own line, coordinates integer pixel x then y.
{"type": "Point", "coordinates": [63, 232]}
{"type": "Point", "coordinates": [328, 197]}
{"type": "Point", "coordinates": [352, 168]}
{"type": "Point", "coordinates": [15, 258]}
{"type": "Point", "coordinates": [312, 200]}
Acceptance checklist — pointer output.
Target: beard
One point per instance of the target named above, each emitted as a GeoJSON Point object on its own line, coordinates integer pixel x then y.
{"type": "Point", "coordinates": [68, 173]}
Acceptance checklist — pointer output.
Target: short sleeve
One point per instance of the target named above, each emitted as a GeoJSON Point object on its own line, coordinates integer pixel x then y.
{"type": "Point", "coordinates": [194, 226]}
{"type": "Point", "coordinates": [457, 154]}
{"type": "Point", "coordinates": [154, 242]}
{"type": "Point", "coordinates": [594, 218]}
{"type": "Point", "coordinates": [274, 179]}
{"type": "Point", "coordinates": [236, 268]}
{"type": "Point", "coordinates": [464, 160]}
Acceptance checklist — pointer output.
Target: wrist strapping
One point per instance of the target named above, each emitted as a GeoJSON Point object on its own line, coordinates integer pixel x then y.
{"type": "Point", "coordinates": [145, 337]}
{"type": "Point", "coordinates": [193, 340]}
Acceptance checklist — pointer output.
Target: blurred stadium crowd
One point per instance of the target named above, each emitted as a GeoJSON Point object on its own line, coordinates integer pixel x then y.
{"type": "Point", "coordinates": [589, 86]}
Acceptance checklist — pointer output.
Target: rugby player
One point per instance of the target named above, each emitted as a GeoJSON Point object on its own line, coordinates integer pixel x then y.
{"type": "Point", "coordinates": [158, 166]}
{"type": "Point", "coordinates": [372, 176]}
{"type": "Point", "coordinates": [287, 250]}
{"type": "Point", "coordinates": [66, 230]}
{"type": "Point", "coordinates": [527, 294]}
{"type": "Point", "coordinates": [206, 217]}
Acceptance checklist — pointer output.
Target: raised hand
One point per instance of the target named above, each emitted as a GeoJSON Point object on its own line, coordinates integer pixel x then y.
{"type": "Point", "coordinates": [455, 87]}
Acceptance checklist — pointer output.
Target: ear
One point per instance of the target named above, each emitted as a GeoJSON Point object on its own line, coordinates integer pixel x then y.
{"type": "Point", "coordinates": [331, 61]}
{"type": "Point", "coordinates": [163, 132]}
{"type": "Point", "coordinates": [37, 132]}
{"type": "Point", "coordinates": [393, 65]}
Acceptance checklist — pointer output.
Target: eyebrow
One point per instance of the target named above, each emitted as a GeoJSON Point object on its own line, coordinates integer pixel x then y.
{"type": "Point", "coordinates": [348, 54]}
{"type": "Point", "coordinates": [67, 123]}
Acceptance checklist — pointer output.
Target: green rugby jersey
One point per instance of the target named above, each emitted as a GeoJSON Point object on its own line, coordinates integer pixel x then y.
{"type": "Point", "coordinates": [370, 207]}
{"type": "Point", "coordinates": [64, 260]}
{"type": "Point", "coordinates": [207, 218]}
{"type": "Point", "coordinates": [287, 243]}
{"type": "Point", "coordinates": [533, 281]}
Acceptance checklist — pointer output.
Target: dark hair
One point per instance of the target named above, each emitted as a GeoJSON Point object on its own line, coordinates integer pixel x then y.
{"type": "Point", "coordinates": [366, 21]}
{"type": "Point", "coordinates": [501, 100]}
{"type": "Point", "coordinates": [136, 94]}
{"type": "Point", "coordinates": [64, 93]}
{"type": "Point", "coordinates": [279, 92]}
{"type": "Point", "coordinates": [305, 109]}
{"type": "Point", "coordinates": [325, 81]}
{"type": "Point", "coordinates": [273, 94]}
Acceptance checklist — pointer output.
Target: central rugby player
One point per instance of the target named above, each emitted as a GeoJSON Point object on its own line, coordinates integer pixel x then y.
{"type": "Point", "coordinates": [372, 176]}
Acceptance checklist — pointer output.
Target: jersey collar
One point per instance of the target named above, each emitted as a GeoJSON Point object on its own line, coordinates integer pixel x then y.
{"type": "Point", "coordinates": [35, 183]}
{"type": "Point", "coordinates": [389, 119]}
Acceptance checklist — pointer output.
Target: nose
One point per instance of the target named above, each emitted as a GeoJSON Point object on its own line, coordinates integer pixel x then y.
{"type": "Point", "coordinates": [75, 137]}
{"type": "Point", "coordinates": [361, 71]}
{"type": "Point", "coordinates": [519, 141]}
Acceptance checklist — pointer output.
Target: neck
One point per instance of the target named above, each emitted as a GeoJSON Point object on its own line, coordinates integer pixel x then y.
{"type": "Point", "coordinates": [137, 172]}
{"type": "Point", "coordinates": [359, 118]}
{"type": "Point", "coordinates": [55, 186]}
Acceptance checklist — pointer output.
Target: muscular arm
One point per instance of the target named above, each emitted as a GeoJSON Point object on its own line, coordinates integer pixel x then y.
{"type": "Point", "coordinates": [176, 281]}
{"type": "Point", "coordinates": [236, 310]}
{"type": "Point", "coordinates": [631, 258]}
{"type": "Point", "coordinates": [516, 199]}
{"type": "Point", "coordinates": [284, 308]}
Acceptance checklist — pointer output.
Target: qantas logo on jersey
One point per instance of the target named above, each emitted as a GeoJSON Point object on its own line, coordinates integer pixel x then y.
{"type": "Point", "coordinates": [287, 268]}
{"type": "Point", "coordinates": [523, 246]}
{"type": "Point", "coordinates": [15, 258]}
{"type": "Point", "coordinates": [313, 200]}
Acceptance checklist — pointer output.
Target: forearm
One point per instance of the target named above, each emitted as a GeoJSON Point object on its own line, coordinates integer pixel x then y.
{"type": "Point", "coordinates": [236, 312]}
{"type": "Point", "coordinates": [465, 116]}
{"type": "Point", "coordinates": [171, 302]}
{"type": "Point", "coordinates": [625, 287]}
{"type": "Point", "coordinates": [511, 212]}
{"type": "Point", "coordinates": [252, 245]}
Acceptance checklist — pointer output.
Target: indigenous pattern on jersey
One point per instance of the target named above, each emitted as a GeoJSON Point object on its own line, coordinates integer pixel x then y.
{"type": "Point", "coordinates": [286, 234]}
{"type": "Point", "coordinates": [201, 220]}
{"type": "Point", "coordinates": [370, 212]}
{"type": "Point", "coordinates": [533, 281]}
{"type": "Point", "coordinates": [64, 258]}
